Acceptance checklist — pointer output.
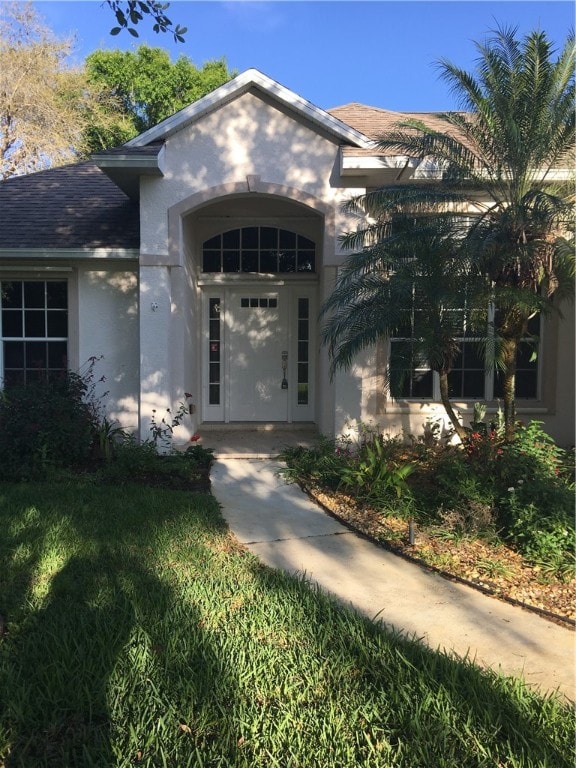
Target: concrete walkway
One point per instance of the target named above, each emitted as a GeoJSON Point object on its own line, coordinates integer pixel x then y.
{"type": "Point", "coordinates": [279, 524]}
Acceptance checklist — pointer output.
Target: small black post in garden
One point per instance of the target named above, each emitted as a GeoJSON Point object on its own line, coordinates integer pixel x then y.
{"type": "Point", "coordinates": [411, 532]}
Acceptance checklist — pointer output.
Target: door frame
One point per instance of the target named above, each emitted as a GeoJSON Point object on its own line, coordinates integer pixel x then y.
{"type": "Point", "coordinates": [293, 290]}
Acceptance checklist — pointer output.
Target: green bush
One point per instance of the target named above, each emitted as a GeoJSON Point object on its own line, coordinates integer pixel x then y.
{"type": "Point", "coordinates": [522, 492]}
{"type": "Point", "coordinates": [140, 462]}
{"type": "Point", "coordinates": [374, 476]}
{"type": "Point", "coordinates": [46, 426]}
{"type": "Point", "coordinates": [322, 465]}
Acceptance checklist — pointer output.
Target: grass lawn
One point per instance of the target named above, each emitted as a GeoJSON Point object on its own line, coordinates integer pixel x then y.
{"type": "Point", "coordinates": [137, 633]}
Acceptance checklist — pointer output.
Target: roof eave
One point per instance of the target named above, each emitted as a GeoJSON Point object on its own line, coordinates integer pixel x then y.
{"type": "Point", "coordinates": [252, 78]}
{"type": "Point", "coordinates": [398, 167]}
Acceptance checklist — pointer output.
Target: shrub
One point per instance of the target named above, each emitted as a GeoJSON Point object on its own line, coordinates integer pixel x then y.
{"type": "Point", "coordinates": [140, 462]}
{"type": "Point", "coordinates": [322, 465]}
{"type": "Point", "coordinates": [374, 476]}
{"type": "Point", "coordinates": [45, 426]}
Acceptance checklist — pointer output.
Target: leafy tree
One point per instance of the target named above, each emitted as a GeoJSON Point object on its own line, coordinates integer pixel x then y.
{"type": "Point", "coordinates": [412, 279]}
{"type": "Point", "coordinates": [44, 106]}
{"type": "Point", "coordinates": [148, 87]}
{"type": "Point", "coordinates": [132, 12]}
{"type": "Point", "coordinates": [507, 147]}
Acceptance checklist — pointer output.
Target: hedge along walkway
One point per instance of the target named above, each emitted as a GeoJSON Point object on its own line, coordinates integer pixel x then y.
{"type": "Point", "coordinates": [286, 530]}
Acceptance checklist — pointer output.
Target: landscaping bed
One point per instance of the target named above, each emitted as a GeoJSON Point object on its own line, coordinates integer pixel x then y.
{"type": "Point", "coordinates": [497, 516]}
{"type": "Point", "coordinates": [495, 568]}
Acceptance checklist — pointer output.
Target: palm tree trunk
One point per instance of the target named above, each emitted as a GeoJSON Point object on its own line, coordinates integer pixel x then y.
{"type": "Point", "coordinates": [444, 396]}
{"type": "Point", "coordinates": [509, 355]}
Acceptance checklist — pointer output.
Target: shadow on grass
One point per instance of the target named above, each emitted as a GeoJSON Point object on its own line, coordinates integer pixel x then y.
{"type": "Point", "coordinates": [139, 633]}
{"type": "Point", "coordinates": [88, 613]}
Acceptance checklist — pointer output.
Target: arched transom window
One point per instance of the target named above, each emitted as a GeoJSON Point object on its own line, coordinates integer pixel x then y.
{"type": "Point", "coordinates": [259, 249]}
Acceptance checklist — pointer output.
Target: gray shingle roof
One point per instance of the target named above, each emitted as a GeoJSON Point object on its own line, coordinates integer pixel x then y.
{"type": "Point", "coordinates": [73, 206]}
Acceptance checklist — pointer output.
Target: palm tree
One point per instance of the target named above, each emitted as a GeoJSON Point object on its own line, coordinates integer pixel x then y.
{"type": "Point", "coordinates": [502, 156]}
{"type": "Point", "coordinates": [411, 280]}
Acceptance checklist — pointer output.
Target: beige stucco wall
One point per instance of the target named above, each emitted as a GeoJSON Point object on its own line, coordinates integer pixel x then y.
{"type": "Point", "coordinates": [107, 306]}
{"type": "Point", "coordinates": [245, 138]}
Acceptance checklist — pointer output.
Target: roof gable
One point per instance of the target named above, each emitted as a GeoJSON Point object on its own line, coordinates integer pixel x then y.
{"type": "Point", "coordinates": [252, 79]}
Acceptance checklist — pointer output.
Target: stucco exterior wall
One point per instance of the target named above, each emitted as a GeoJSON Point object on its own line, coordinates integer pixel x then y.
{"type": "Point", "coordinates": [108, 331]}
{"type": "Point", "coordinates": [245, 138]}
{"type": "Point", "coordinates": [560, 417]}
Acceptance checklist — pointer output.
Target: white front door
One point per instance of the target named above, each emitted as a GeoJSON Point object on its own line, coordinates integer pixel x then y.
{"type": "Point", "coordinates": [258, 356]}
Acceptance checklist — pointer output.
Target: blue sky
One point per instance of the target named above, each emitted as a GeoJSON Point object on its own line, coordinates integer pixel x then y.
{"type": "Point", "coordinates": [379, 53]}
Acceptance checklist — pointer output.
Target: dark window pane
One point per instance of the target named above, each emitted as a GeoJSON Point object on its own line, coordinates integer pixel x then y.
{"type": "Point", "coordinates": [302, 350]}
{"type": "Point", "coordinates": [306, 261]}
{"type": "Point", "coordinates": [36, 354]}
{"type": "Point", "coordinates": [215, 330]}
{"type": "Point", "coordinates": [35, 375]}
{"type": "Point", "coordinates": [269, 238]}
{"type": "Point", "coordinates": [287, 239]}
{"type": "Point", "coordinates": [214, 243]}
{"type": "Point", "coordinates": [303, 330]}
{"type": "Point", "coordinates": [400, 354]}
{"type": "Point", "coordinates": [231, 239]}
{"type": "Point", "coordinates": [214, 394]}
{"type": "Point", "coordinates": [13, 378]}
{"type": "Point", "coordinates": [269, 261]}
{"type": "Point", "coordinates": [473, 385]}
{"type": "Point", "coordinates": [473, 355]}
{"type": "Point", "coordinates": [34, 294]}
{"type": "Point", "coordinates": [455, 383]}
{"type": "Point", "coordinates": [526, 351]}
{"type": "Point", "coordinates": [34, 323]}
{"type": "Point", "coordinates": [214, 351]}
{"type": "Point", "coordinates": [526, 384]}
{"type": "Point", "coordinates": [534, 326]}
{"type": "Point", "coordinates": [211, 261]}
{"type": "Point", "coordinates": [244, 303]}
{"type": "Point", "coordinates": [273, 303]}
{"type": "Point", "coordinates": [303, 308]}
{"type": "Point", "coordinates": [57, 323]}
{"type": "Point", "coordinates": [14, 354]}
{"type": "Point", "coordinates": [303, 242]}
{"type": "Point", "coordinates": [57, 295]}
{"type": "Point", "coordinates": [214, 373]}
{"type": "Point", "coordinates": [250, 237]}
{"type": "Point", "coordinates": [287, 261]}
{"type": "Point", "coordinates": [422, 384]}
{"type": "Point", "coordinates": [254, 302]}
{"type": "Point", "coordinates": [57, 355]}
{"type": "Point", "coordinates": [302, 373]}
{"type": "Point", "coordinates": [303, 394]}
{"type": "Point", "coordinates": [12, 322]}
{"type": "Point", "coordinates": [249, 261]}
{"type": "Point", "coordinates": [231, 261]}
{"type": "Point", "coordinates": [11, 293]}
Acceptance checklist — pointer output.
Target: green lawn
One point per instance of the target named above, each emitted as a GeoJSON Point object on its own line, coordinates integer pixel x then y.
{"type": "Point", "coordinates": [138, 634]}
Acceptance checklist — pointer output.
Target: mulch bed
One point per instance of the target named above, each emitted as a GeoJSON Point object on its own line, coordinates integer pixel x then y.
{"type": "Point", "coordinates": [490, 567]}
